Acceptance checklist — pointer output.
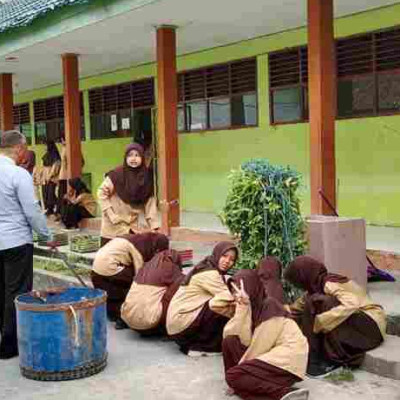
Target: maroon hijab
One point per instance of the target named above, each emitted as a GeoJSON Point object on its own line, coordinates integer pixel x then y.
{"type": "Point", "coordinates": [263, 307]}
{"type": "Point", "coordinates": [162, 270]}
{"type": "Point", "coordinates": [310, 275]}
{"type": "Point", "coordinates": [269, 270]}
{"type": "Point", "coordinates": [211, 262]}
{"type": "Point", "coordinates": [148, 244]}
{"type": "Point", "coordinates": [134, 186]}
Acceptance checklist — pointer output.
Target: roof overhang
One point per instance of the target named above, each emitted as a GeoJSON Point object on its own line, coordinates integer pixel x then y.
{"type": "Point", "coordinates": [123, 34]}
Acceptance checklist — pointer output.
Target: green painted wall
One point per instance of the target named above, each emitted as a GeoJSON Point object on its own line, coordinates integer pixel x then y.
{"type": "Point", "coordinates": [368, 167]}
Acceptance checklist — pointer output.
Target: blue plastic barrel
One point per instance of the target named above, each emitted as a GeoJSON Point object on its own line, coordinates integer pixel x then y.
{"type": "Point", "coordinates": [62, 336]}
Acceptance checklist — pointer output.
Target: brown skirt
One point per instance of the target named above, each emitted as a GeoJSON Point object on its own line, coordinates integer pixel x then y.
{"type": "Point", "coordinates": [232, 351]}
{"type": "Point", "coordinates": [203, 334]}
{"type": "Point", "coordinates": [258, 380]}
{"type": "Point", "coordinates": [117, 287]}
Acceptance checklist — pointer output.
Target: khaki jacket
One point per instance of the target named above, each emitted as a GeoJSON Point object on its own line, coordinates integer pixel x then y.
{"type": "Point", "coordinates": [87, 201]}
{"type": "Point", "coordinates": [64, 164]}
{"type": "Point", "coordinates": [277, 341]}
{"type": "Point", "coordinates": [189, 300]}
{"type": "Point", "coordinates": [353, 298]}
{"type": "Point", "coordinates": [116, 255]}
{"type": "Point", "coordinates": [142, 308]}
{"type": "Point", "coordinates": [118, 218]}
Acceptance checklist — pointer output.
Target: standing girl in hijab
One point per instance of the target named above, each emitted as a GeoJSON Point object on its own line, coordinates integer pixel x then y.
{"type": "Point", "coordinates": [202, 305]}
{"type": "Point", "coordinates": [339, 319]}
{"type": "Point", "coordinates": [51, 169]}
{"type": "Point", "coordinates": [146, 305]}
{"type": "Point", "coordinates": [125, 192]}
{"type": "Point", "coordinates": [264, 351]}
{"type": "Point", "coordinates": [77, 204]}
{"type": "Point", "coordinates": [116, 264]}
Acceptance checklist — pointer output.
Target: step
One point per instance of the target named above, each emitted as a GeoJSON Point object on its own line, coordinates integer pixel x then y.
{"type": "Point", "coordinates": [384, 360]}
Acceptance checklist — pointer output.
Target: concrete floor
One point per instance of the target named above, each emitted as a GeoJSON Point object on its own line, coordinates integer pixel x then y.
{"type": "Point", "coordinates": [154, 369]}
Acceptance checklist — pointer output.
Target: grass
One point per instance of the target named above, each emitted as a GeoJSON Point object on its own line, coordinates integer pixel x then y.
{"type": "Point", "coordinates": [344, 375]}
{"type": "Point", "coordinates": [58, 266]}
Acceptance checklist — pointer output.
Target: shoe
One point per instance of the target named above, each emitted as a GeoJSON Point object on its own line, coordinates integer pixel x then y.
{"type": "Point", "coordinates": [296, 394]}
{"type": "Point", "coordinates": [321, 369]}
{"type": "Point", "coordinates": [120, 324]}
{"type": "Point", "coordinates": [195, 354]}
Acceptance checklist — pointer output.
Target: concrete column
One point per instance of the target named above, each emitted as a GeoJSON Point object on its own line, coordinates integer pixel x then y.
{"type": "Point", "coordinates": [168, 152]}
{"type": "Point", "coordinates": [6, 102]}
{"type": "Point", "coordinates": [322, 100]}
{"type": "Point", "coordinates": [72, 114]}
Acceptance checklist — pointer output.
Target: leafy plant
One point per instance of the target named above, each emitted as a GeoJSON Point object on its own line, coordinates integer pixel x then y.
{"type": "Point", "coordinates": [263, 210]}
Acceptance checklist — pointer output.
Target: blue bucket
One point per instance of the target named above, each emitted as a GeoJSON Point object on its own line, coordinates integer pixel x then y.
{"type": "Point", "coordinates": [62, 335]}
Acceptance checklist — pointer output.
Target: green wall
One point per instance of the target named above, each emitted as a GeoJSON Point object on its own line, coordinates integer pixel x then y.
{"type": "Point", "coordinates": [368, 168]}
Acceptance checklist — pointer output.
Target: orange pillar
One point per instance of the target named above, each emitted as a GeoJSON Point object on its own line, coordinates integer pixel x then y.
{"type": "Point", "coordinates": [72, 117]}
{"type": "Point", "coordinates": [168, 152]}
{"type": "Point", "coordinates": [322, 100]}
{"type": "Point", "coordinates": [6, 102]}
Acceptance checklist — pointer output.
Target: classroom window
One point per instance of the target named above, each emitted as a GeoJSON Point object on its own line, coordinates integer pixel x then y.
{"type": "Point", "coordinates": [123, 111]}
{"type": "Point", "coordinates": [218, 97]}
{"type": "Point", "coordinates": [22, 120]}
{"type": "Point", "coordinates": [368, 78]}
{"type": "Point", "coordinates": [49, 119]}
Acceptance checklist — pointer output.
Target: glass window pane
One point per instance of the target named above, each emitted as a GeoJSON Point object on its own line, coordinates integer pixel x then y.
{"type": "Point", "coordinates": [356, 96]}
{"type": "Point", "coordinates": [220, 113]}
{"type": "Point", "coordinates": [389, 92]}
{"type": "Point", "coordinates": [40, 132]}
{"type": "Point", "coordinates": [287, 105]}
{"type": "Point", "coordinates": [244, 110]}
{"type": "Point", "coordinates": [26, 130]}
{"type": "Point", "coordinates": [181, 119]}
{"type": "Point", "coordinates": [142, 127]}
{"type": "Point", "coordinates": [196, 114]}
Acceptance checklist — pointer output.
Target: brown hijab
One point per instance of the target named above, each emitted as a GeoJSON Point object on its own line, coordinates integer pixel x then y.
{"type": "Point", "coordinates": [134, 186]}
{"type": "Point", "coordinates": [310, 275]}
{"type": "Point", "coordinates": [211, 262]}
{"type": "Point", "coordinates": [269, 270]}
{"type": "Point", "coordinates": [263, 307]}
{"type": "Point", "coordinates": [162, 270]}
{"type": "Point", "coordinates": [148, 244]}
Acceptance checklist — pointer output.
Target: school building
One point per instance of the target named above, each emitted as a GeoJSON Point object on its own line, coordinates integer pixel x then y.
{"type": "Point", "coordinates": [210, 84]}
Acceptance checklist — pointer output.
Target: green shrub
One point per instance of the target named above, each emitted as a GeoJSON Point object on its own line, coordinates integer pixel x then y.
{"type": "Point", "coordinates": [262, 210]}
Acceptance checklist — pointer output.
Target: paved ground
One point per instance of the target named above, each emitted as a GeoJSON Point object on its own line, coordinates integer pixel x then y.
{"type": "Point", "coordinates": [154, 369]}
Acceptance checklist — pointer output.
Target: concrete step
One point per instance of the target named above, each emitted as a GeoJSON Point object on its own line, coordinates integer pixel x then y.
{"type": "Point", "coordinates": [385, 360]}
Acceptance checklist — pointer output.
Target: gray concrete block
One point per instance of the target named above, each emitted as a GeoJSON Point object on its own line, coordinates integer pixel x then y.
{"type": "Point", "coordinates": [385, 360]}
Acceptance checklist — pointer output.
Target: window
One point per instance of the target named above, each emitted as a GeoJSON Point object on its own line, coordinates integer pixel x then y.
{"type": "Point", "coordinates": [122, 111]}
{"type": "Point", "coordinates": [22, 120]}
{"type": "Point", "coordinates": [368, 78]}
{"type": "Point", "coordinates": [288, 84]}
{"type": "Point", "coordinates": [218, 97]}
{"type": "Point", "coordinates": [49, 119]}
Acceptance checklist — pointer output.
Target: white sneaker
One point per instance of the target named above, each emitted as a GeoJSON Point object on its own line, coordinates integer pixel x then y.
{"type": "Point", "coordinates": [195, 353]}
{"type": "Point", "coordinates": [298, 394]}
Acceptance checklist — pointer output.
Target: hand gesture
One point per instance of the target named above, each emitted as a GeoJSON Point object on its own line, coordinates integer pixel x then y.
{"type": "Point", "coordinates": [240, 295]}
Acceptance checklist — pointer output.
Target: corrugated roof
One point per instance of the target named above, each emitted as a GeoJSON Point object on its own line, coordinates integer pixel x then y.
{"type": "Point", "coordinates": [17, 13]}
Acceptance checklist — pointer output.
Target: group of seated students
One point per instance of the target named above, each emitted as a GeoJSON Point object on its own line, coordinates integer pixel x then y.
{"type": "Point", "coordinates": [267, 346]}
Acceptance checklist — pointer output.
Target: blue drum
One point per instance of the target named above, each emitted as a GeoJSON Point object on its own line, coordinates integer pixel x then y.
{"type": "Point", "coordinates": [62, 334]}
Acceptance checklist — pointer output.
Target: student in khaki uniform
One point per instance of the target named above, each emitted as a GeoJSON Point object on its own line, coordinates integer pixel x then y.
{"type": "Point", "coordinates": [145, 307]}
{"type": "Point", "coordinates": [202, 305]}
{"type": "Point", "coordinates": [116, 264]}
{"type": "Point", "coordinates": [77, 204]}
{"type": "Point", "coordinates": [127, 191]}
{"type": "Point", "coordinates": [337, 316]}
{"type": "Point", "coordinates": [264, 350]}
{"type": "Point", "coordinates": [50, 173]}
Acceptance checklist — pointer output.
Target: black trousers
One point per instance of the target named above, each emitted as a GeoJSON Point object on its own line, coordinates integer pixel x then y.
{"type": "Point", "coordinates": [72, 214]}
{"type": "Point", "coordinates": [62, 191]}
{"type": "Point", "coordinates": [16, 277]}
{"type": "Point", "coordinates": [49, 197]}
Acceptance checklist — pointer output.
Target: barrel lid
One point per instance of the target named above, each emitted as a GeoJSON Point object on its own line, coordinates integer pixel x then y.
{"type": "Point", "coordinates": [60, 299]}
